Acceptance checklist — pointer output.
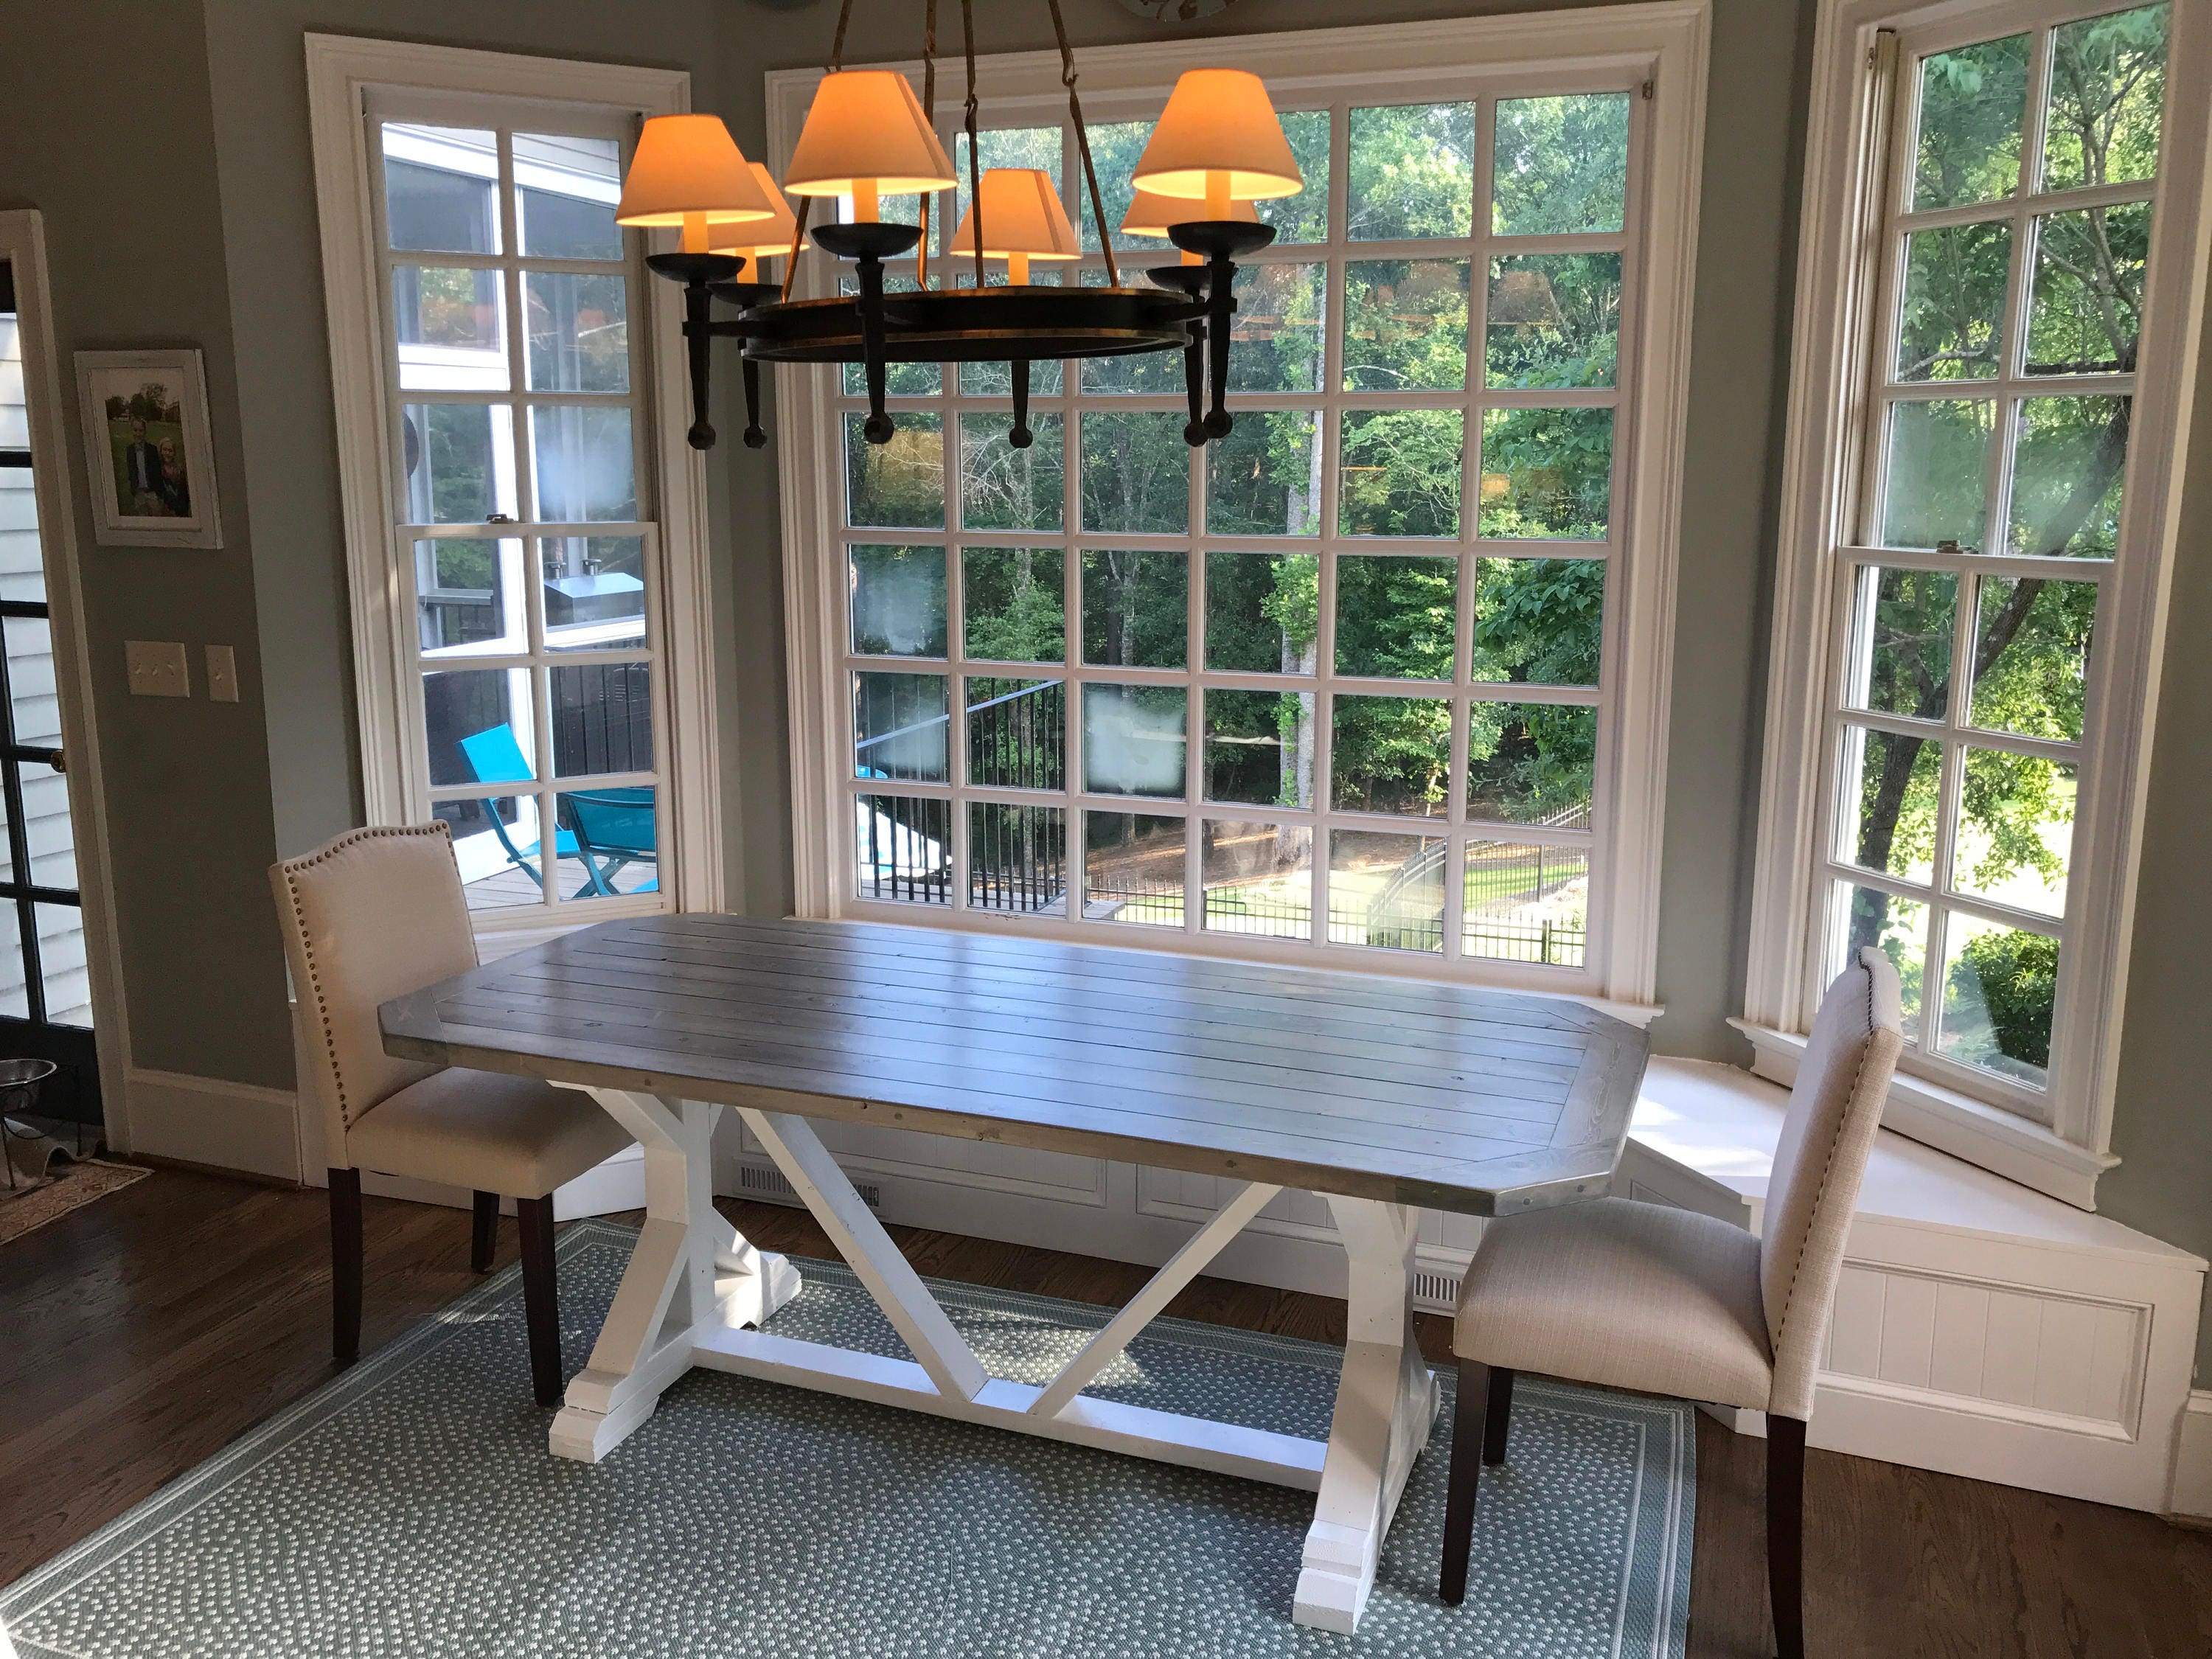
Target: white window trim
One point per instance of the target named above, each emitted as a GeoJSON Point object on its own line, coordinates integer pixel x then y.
{"type": "Point", "coordinates": [1663, 43]}
{"type": "Point", "coordinates": [341, 71]}
{"type": "Point", "coordinates": [1839, 267]}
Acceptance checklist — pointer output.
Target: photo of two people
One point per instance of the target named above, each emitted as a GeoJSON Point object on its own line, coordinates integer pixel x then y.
{"type": "Point", "coordinates": [146, 436]}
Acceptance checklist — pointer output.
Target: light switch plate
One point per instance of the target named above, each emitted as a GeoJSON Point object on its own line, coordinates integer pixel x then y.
{"type": "Point", "coordinates": [157, 668]}
{"type": "Point", "coordinates": [221, 674]}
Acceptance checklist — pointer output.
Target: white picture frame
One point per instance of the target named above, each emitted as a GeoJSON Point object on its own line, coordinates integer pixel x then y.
{"type": "Point", "coordinates": [149, 458]}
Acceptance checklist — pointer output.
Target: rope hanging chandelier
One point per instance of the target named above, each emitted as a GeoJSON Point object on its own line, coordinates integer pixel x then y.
{"type": "Point", "coordinates": [1217, 148]}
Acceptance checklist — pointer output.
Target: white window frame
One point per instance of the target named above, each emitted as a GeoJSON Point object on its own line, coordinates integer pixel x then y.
{"type": "Point", "coordinates": [1860, 102]}
{"type": "Point", "coordinates": [345, 77]}
{"type": "Point", "coordinates": [1659, 49]}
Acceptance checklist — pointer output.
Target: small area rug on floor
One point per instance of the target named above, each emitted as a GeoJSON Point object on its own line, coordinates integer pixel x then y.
{"type": "Point", "coordinates": [72, 1187]}
{"type": "Point", "coordinates": [411, 1506]}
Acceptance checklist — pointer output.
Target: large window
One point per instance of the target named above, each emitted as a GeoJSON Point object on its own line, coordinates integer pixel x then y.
{"type": "Point", "coordinates": [1342, 681]}
{"type": "Point", "coordinates": [1992, 551]}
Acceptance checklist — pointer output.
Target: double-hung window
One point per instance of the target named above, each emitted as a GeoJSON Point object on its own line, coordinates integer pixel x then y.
{"type": "Point", "coordinates": [1352, 683]}
{"type": "Point", "coordinates": [1999, 499]}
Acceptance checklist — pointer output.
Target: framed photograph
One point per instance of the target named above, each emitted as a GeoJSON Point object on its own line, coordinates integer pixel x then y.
{"type": "Point", "coordinates": [147, 453]}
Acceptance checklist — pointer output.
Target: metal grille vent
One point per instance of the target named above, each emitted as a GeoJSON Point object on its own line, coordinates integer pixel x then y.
{"type": "Point", "coordinates": [758, 1181]}
{"type": "Point", "coordinates": [1435, 1292]}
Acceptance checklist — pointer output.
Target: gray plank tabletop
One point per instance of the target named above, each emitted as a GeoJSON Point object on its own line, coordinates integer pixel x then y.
{"type": "Point", "coordinates": [1408, 1091]}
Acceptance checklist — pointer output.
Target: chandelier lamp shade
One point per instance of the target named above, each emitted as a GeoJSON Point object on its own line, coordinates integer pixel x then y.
{"type": "Point", "coordinates": [1218, 147]}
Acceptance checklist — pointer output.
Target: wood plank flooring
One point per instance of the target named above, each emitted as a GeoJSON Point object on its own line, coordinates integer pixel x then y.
{"type": "Point", "coordinates": [144, 1333]}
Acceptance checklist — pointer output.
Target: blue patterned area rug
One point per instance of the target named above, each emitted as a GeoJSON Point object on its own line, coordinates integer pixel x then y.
{"type": "Point", "coordinates": [410, 1507]}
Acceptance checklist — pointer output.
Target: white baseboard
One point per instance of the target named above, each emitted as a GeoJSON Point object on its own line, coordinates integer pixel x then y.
{"type": "Point", "coordinates": [213, 1122]}
{"type": "Point", "coordinates": [2192, 1460]}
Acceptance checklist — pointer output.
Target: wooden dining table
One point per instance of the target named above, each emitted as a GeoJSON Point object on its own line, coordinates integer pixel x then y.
{"type": "Point", "coordinates": [1382, 1095]}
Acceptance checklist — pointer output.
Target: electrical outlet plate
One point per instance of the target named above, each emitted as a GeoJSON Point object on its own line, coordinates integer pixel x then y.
{"type": "Point", "coordinates": [156, 668]}
{"type": "Point", "coordinates": [221, 674]}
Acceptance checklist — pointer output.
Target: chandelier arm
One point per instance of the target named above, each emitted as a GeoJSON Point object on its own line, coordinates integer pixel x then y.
{"type": "Point", "coordinates": [1083, 144]}
{"type": "Point", "coordinates": [1021, 437]}
{"type": "Point", "coordinates": [929, 114]}
{"type": "Point", "coordinates": [975, 180]}
{"type": "Point", "coordinates": [755, 437]}
{"type": "Point", "coordinates": [1193, 385]}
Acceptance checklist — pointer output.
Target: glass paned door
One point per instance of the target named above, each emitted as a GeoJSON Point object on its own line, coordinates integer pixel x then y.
{"type": "Point", "coordinates": [46, 997]}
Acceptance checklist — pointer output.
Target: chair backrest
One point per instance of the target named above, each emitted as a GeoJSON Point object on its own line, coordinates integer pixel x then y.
{"type": "Point", "coordinates": [1826, 1136]}
{"type": "Point", "coordinates": [370, 916]}
{"type": "Point", "coordinates": [495, 756]}
{"type": "Point", "coordinates": [613, 820]}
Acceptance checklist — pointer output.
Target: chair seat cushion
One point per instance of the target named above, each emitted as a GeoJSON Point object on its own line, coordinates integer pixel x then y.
{"type": "Point", "coordinates": [516, 1136]}
{"type": "Point", "coordinates": [1625, 1295]}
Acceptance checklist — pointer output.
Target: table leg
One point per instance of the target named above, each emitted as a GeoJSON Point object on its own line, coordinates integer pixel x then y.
{"type": "Point", "coordinates": [691, 1269]}
{"type": "Point", "coordinates": [1384, 1406]}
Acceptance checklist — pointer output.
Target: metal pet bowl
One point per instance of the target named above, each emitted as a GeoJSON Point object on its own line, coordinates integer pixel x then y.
{"type": "Point", "coordinates": [19, 1083]}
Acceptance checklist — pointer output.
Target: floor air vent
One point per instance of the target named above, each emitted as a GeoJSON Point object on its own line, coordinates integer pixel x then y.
{"type": "Point", "coordinates": [1435, 1292]}
{"type": "Point", "coordinates": [757, 1181]}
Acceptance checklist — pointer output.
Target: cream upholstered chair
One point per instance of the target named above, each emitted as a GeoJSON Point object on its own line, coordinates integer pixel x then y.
{"type": "Point", "coordinates": [1666, 1300]}
{"type": "Point", "coordinates": [375, 915]}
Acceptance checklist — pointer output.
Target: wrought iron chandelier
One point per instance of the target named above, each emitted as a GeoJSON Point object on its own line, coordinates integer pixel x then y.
{"type": "Point", "coordinates": [1217, 148]}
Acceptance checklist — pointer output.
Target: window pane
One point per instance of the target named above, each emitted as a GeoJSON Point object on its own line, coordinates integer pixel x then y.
{"type": "Point", "coordinates": [459, 460]}
{"type": "Point", "coordinates": [1899, 926]}
{"type": "Point", "coordinates": [1404, 325]}
{"type": "Point", "coordinates": [1016, 857]}
{"type": "Point", "coordinates": [1259, 747]}
{"type": "Point", "coordinates": [2107, 85]}
{"type": "Point", "coordinates": [1132, 740]}
{"type": "Point", "coordinates": [1258, 879]}
{"type": "Point", "coordinates": [1889, 820]}
{"type": "Point", "coordinates": [1264, 478]}
{"type": "Point", "coordinates": [479, 724]}
{"type": "Point", "coordinates": [1303, 217]}
{"type": "Point", "coordinates": [1002, 487]}
{"type": "Point", "coordinates": [1413, 172]}
{"type": "Point", "coordinates": [1951, 318]}
{"type": "Point", "coordinates": [1561, 165]}
{"type": "Point", "coordinates": [48, 831]}
{"type": "Point", "coordinates": [997, 379]}
{"type": "Point", "coordinates": [1391, 755]}
{"type": "Point", "coordinates": [1015, 604]}
{"type": "Point", "coordinates": [587, 469]}
{"type": "Point", "coordinates": [22, 567]}
{"type": "Point", "coordinates": [2087, 306]}
{"type": "Point", "coordinates": [1262, 612]}
{"type": "Point", "coordinates": [602, 718]}
{"type": "Point", "coordinates": [618, 851]}
{"type": "Point", "coordinates": [1276, 331]}
{"type": "Point", "coordinates": [1905, 632]}
{"type": "Point", "coordinates": [1539, 622]}
{"type": "Point", "coordinates": [1017, 733]}
{"type": "Point", "coordinates": [1114, 148]}
{"type": "Point", "coordinates": [594, 592]}
{"type": "Point", "coordinates": [1531, 763]}
{"type": "Point", "coordinates": [898, 601]}
{"type": "Point", "coordinates": [1936, 476]}
{"type": "Point", "coordinates": [1395, 616]}
{"type": "Point", "coordinates": [1398, 472]}
{"type": "Point", "coordinates": [1971, 104]}
{"type": "Point", "coordinates": [15, 981]}
{"type": "Point", "coordinates": [2032, 642]}
{"type": "Point", "coordinates": [899, 723]}
{"type": "Point", "coordinates": [1526, 902]}
{"type": "Point", "coordinates": [62, 973]}
{"type": "Point", "coordinates": [499, 851]}
{"type": "Point", "coordinates": [2015, 831]}
{"type": "Point", "coordinates": [579, 331]}
{"type": "Point", "coordinates": [34, 708]}
{"type": "Point", "coordinates": [1999, 988]}
{"type": "Point", "coordinates": [449, 329]}
{"type": "Point", "coordinates": [1136, 609]}
{"type": "Point", "coordinates": [898, 484]}
{"type": "Point", "coordinates": [468, 594]}
{"type": "Point", "coordinates": [441, 188]}
{"type": "Point", "coordinates": [1553, 319]}
{"type": "Point", "coordinates": [566, 189]}
{"type": "Point", "coordinates": [1133, 868]}
{"type": "Point", "coordinates": [904, 848]}
{"type": "Point", "coordinates": [1136, 474]}
{"type": "Point", "coordinates": [1546, 472]}
{"type": "Point", "coordinates": [1386, 890]}
{"type": "Point", "coordinates": [2069, 459]}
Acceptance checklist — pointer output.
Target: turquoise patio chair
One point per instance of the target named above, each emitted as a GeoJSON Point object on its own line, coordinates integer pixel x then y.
{"type": "Point", "coordinates": [610, 829]}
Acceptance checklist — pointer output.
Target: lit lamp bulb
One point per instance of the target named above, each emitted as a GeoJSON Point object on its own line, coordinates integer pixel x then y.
{"type": "Point", "coordinates": [1151, 214]}
{"type": "Point", "coordinates": [1023, 220]}
{"type": "Point", "coordinates": [866, 137]}
{"type": "Point", "coordinates": [688, 172]}
{"type": "Point", "coordinates": [1219, 142]}
{"type": "Point", "coordinates": [758, 239]}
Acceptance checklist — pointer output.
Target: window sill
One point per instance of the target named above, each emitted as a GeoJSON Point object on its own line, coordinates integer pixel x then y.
{"type": "Point", "coordinates": [1982, 1134]}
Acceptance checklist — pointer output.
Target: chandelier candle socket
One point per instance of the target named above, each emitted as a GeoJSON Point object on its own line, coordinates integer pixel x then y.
{"type": "Point", "coordinates": [754, 240]}
{"type": "Point", "coordinates": [1152, 215]}
{"type": "Point", "coordinates": [866, 137]}
{"type": "Point", "coordinates": [689, 173]}
{"type": "Point", "coordinates": [1024, 221]}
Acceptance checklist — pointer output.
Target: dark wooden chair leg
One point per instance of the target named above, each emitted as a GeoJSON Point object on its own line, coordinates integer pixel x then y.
{"type": "Point", "coordinates": [345, 1265]}
{"type": "Point", "coordinates": [1499, 1418]}
{"type": "Point", "coordinates": [541, 1300]}
{"type": "Point", "coordinates": [485, 1243]}
{"type": "Point", "coordinates": [1468, 1441]}
{"type": "Point", "coordinates": [1785, 1533]}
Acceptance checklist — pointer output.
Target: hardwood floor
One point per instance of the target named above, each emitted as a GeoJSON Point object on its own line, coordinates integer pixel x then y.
{"type": "Point", "coordinates": [141, 1334]}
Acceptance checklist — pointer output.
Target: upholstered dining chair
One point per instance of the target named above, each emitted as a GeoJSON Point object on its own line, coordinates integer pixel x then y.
{"type": "Point", "coordinates": [374, 914]}
{"type": "Point", "coordinates": [1666, 1301]}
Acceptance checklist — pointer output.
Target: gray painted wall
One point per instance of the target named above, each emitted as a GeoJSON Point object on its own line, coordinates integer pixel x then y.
{"type": "Point", "coordinates": [180, 209]}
